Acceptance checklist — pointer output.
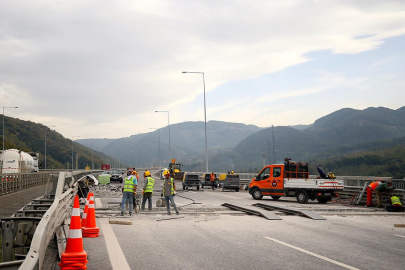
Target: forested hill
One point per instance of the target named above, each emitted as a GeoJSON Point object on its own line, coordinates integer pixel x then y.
{"type": "Point", "coordinates": [30, 137]}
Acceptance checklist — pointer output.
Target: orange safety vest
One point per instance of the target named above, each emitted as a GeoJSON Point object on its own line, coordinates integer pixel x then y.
{"type": "Point", "coordinates": [212, 177]}
{"type": "Point", "coordinates": [374, 184]}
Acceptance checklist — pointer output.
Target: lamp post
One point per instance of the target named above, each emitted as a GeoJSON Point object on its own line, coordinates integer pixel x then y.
{"type": "Point", "coordinates": [45, 147]}
{"type": "Point", "coordinates": [205, 119]}
{"type": "Point", "coordinates": [168, 122]}
{"type": "Point", "coordinates": [160, 164]}
{"type": "Point", "coordinates": [72, 150]}
{"type": "Point", "coordinates": [3, 123]}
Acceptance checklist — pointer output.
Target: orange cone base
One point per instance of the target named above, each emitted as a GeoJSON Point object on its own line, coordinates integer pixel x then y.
{"type": "Point", "coordinates": [73, 260]}
{"type": "Point", "coordinates": [91, 232]}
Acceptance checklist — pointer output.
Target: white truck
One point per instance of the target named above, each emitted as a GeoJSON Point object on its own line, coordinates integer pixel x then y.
{"type": "Point", "coordinates": [291, 179]}
{"type": "Point", "coordinates": [17, 161]}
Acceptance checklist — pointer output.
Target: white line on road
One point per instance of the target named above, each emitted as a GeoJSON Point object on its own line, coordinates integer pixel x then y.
{"type": "Point", "coordinates": [313, 254]}
{"type": "Point", "coordinates": [98, 203]}
{"type": "Point", "coordinates": [400, 235]}
{"type": "Point", "coordinates": [117, 258]}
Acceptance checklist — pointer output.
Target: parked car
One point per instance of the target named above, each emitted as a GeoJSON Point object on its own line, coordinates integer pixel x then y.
{"type": "Point", "coordinates": [205, 181]}
{"type": "Point", "coordinates": [191, 180]}
{"type": "Point", "coordinates": [116, 176]}
{"type": "Point", "coordinates": [229, 181]}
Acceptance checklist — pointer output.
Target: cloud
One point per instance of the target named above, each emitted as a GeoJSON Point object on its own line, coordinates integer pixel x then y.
{"type": "Point", "coordinates": [101, 64]}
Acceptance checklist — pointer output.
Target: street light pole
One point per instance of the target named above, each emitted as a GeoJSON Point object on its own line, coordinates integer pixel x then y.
{"type": "Point", "coordinates": [160, 163]}
{"type": "Point", "coordinates": [168, 122]}
{"type": "Point", "coordinates": [72, 151]}
{"type": "Point", "coordinates": [45, 146]}
{"type": "Point", "coordinates": [205, 119]}
{"type": "Point", "coordinates": [4, 125]}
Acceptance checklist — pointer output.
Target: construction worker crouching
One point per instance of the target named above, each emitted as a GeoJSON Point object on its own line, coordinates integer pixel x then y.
{"type": "Point", "coordinates": [395, 206]}
{"type": "Point", "coordinates": [169, 191]}
{"type": "Point", "coordinates": [147, 191]}
{"type": "Point", "coordinates": [128, 192]}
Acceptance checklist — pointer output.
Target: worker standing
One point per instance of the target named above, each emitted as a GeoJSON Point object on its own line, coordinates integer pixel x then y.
{"type": "Point", "coordinates": [128, 192]}
{"type": "Point", "coordinates": [381, 188]}
{"type": "Point", "coordinates": [212, 179]}
{"type": "Point", "coordinates": [169, 191]}
{"type": "Point", "coordinates": [370, 189]}
{"type": "Point", "coordinates": [395, 206]}
{"type": "Point", "coordinates": [147, 191]}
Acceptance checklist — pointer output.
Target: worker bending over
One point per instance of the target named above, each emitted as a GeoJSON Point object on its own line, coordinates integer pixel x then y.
{"type": "Point", "coordinates": [147, 191]}
{"type": "Point", "coordinates": [169, 191]}
{"type": "Point", "coordinates": [381, 188]}
{"type": "Point", "coordinates": [370, 190]}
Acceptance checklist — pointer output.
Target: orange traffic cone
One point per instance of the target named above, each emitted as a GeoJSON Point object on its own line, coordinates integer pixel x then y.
{"type": "Point", "coordinates": [91, 229]}
{"type": "Point", "coordinates": [74, 256]}
{"type": "Point", "coordinates": [84, 216]}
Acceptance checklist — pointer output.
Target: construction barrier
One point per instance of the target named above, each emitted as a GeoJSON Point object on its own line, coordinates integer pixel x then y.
{"type": "Point", "coordinates": [91, 229]}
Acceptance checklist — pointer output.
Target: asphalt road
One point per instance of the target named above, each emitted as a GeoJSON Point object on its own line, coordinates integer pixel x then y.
{"type": "Point", "coordinates": [219, 240]}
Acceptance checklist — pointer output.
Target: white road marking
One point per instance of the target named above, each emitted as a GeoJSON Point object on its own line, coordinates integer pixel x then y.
{"type": "Point", "coordinates": [400, 235]}
{"type": "Point", "coordinates": [313, 254]}
{"type": "Point", "coordinates": [98, 203]}
{"type": "Point", "coordinates": [117, 258]}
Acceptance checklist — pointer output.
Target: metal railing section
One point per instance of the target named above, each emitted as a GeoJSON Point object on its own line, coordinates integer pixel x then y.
{"type": "Point", "coordinates": [15, 182]}
{"type": "Point", "coordinates": [53, 219]}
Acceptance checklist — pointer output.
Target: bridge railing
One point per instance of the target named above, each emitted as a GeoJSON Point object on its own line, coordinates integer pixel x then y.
{"type": "Point", "coordinates": [15, 182]}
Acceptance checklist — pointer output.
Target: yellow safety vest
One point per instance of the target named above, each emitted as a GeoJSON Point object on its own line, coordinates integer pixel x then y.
{"type": "Point", "coordinates": [129, 185]}
{"type": "Point", "coordinates": [395, 200]}
{"type": "Point", "coordinates": [171, 184]}
{"type": "Point", "coordinates": [149, 185]}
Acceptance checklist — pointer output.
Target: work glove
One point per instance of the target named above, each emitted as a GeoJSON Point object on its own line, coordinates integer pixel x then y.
{"type": "Point", "coordinates": [174, 193]}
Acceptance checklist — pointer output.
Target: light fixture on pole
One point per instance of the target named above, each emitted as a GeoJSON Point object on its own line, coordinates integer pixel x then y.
{"type": "Point", "coordinates": [45, 146]}
{"type": "Point", "coordinates": [168, 123]}
{"type": "Point", "coordinates": [3, 124]}
{"type": "Point", "coordinates": [205, 119]}
{"type": "Point", "coordinates": [160, 164]}
{"type": "Point", "coordinates": [72, 151]}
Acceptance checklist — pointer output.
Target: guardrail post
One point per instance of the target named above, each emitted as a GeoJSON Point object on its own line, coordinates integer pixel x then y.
{"type": "Point", "coordinates": [7, 240]}
{"type": "Point", "coordinates": [20, 238]}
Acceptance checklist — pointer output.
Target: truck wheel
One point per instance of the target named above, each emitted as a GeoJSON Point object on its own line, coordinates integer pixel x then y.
{"type": "Point", "coordinates": [322, 200]}
{"type": "Point", "coordinates": [198, 188]}
{"type": "Point", "coordinates": [237, 190]}
{"type": "Point", "coordinates": [256, 194]}
{"type": "Point", "coordinates": [184, 187]}
{"type": "Point", "coordinates": [302, 196]}
{"type": "Point", "coordinates": [275, 197]}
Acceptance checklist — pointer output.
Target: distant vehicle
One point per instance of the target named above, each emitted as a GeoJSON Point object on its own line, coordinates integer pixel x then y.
{"type": "Point", "coordinates": [191, 180]}
{"type": "Point", "coordinates": [16, 161]}
{"type": "Point", "coordinates": [105, 167]}
{"type": "Point", "coordinates": [175, 170]}
{"type": "Point", "coordinates": [229, 181]}
{"type": "Point", "coordinates": [206, 180]}
{"type": "Point", "coordinates": [161, 172]}
{"type": "Point", "coordinates": [106, 172]}
{"type": "Point", "coordinates": [116, 176]}
{"type": "Point", "coordinates": [291, 179]}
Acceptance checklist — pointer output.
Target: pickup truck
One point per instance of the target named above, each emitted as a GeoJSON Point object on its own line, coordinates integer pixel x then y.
{"type": "Point", "coordinates": [191, 180]}
{"type": "Point", "coordinates": [291, 179]}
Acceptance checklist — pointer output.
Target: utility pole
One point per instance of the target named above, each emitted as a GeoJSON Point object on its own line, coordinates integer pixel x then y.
{"type": "Point", "coordinates": [274, 145]}
{"type": "Point", "coordinates": [77, 158]}
{"type": "Point", "coordinates": [264, 160]}
{"type": "Point", "coordinates": [268, 149]}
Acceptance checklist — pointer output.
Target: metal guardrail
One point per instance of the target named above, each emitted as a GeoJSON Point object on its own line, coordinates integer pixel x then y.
{"type": "Point", "coordinates": [34, 227]}
{"type": "Point", "coordinates": [15, 182]}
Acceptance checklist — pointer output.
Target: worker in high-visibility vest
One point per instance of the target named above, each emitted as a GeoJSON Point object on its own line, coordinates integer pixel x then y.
{"type": "Point", "coordinates": [169, 191]}
{"type": "Point", "coordinates": [128, 192]}
{"type": "Point", "coordinates": [212, 179]}
{"type": "Point", "coordinates": [395, 206]}
{"type": "Point", "coordinates": [147, 191]}
{"type": "Point", "coordinates": [370, 190]}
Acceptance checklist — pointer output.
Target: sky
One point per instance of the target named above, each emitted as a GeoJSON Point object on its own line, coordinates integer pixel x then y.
{"type": "Point", "coordinates": [100, 69]}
